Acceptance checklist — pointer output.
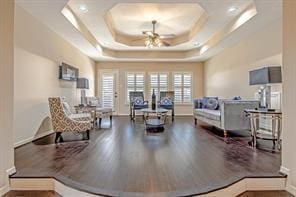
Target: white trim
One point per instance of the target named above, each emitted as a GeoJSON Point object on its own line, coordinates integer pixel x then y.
{"type": "Point", "coordinates": [285, 170]}
{"type": "Point", "coordinates": [232, 190]}
{"type": "Point", "coordinates": [11, 171]}
{"type": "Point", "coordinates": [30, 139]}
{"type": "Point", "coordinates": [6, 188]}
{"type": "Point", "coordinates": [289, 187]}
{"type": "Point", "coordinates": [292, 189]}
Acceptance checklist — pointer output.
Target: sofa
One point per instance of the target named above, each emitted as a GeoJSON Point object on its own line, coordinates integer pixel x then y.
{"type": "Point", "coordinates": [226, 114]}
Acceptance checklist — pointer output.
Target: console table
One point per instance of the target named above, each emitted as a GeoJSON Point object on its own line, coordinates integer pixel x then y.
{"type": "Point", "coordinates": [276, 129]}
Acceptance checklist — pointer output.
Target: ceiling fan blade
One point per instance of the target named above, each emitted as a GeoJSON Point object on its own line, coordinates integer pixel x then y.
{"type": "Point", "coordinates": [138, 39]}
{"type": "Point", "coordinates": [167, 36]}
{"type": "Point", "coordinates": [165, 43]}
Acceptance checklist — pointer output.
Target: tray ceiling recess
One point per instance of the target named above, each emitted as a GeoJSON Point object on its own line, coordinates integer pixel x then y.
{"type": "Point", "coordinates": [116, 29]}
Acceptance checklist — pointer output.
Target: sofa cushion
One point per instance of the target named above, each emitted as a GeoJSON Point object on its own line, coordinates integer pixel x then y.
{"type": "Point", "coordinates": [81, 117]}
{"type": "Point", "coordinates": [208, 113]}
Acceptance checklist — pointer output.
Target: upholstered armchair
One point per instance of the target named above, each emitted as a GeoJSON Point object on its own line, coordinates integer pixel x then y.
{"type": "Point", "coordinates": [166, 101]}
{"type": "Point", "coordinates": [137, 102]}
{"type": "Point", "coordinates": [63, 122]}
{"type": "Point", "coordinates": [100, 112]}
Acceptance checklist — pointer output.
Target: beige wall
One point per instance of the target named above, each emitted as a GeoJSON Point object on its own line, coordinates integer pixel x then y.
{"type": "Point", "coordinates": [38, 53]}
{"type": "Point", "coordinates": [6, 93]}
{"type": "Point", "coordinates": [123, 67]}
{"type": "Point", "coordinates": [289, 94]}
{"type": "Point", "coordinates": [227, 74]}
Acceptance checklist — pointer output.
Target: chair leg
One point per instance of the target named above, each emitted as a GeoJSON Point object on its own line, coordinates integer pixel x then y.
{"type": "Point", "coordinates": [134, 114]}
{"type": "Point", "coordinates": [111, 117]}
{"type": "Point", "coordinates": [58, 137]}
{"type": "Point", "coordinates": [195, 121]}
{"type": "Point", "coordinates": [87, 134]}
{"type": "Point", "coordinates": [173, 115]}
{"type": "Point", "coordinates": [100, 122]}
{"type": "Point", "coordinates": [225, 133]}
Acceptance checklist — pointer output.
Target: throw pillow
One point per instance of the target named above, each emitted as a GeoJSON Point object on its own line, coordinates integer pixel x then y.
{"type": "Point", "coordinates": [212, 104]}
{"type": "Point", "coordinates": [66, 108]}
{"type": "Point", "coordinates": [166, 101]}
{"type": "Point", "coordinates": [138, 101]}
{"type": "Point", "coordinates": [237, 98]}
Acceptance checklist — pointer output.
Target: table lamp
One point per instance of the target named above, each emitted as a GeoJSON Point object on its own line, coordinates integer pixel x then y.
{"type": "Point", "coordinates": [82, 83]}
{"type": "Point", "coordinates": [265, 77]}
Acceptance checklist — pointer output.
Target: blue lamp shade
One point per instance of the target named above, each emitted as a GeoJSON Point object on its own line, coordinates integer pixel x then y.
{"type": "Point", "coordinates": [82, 83]}
{"type": "Point", "coordinates": [266, 75]}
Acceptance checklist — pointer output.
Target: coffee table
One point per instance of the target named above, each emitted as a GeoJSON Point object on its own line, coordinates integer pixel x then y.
{"type": "Point", "coordinates": [155, 119]}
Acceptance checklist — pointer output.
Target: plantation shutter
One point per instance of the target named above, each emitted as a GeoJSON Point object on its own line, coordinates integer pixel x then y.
{"type": "Point", "coordinates": [134, 82]}
{"type": "Point", "coordinates": [107, 88]}
{"type": "Point", "coordinates": [158, 82]}
{"type": "Point", "coordinates": [182, 85]}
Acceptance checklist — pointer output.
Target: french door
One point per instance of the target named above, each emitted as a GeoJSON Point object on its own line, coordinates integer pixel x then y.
{"type": "Point", "coordinates": [108, 84]}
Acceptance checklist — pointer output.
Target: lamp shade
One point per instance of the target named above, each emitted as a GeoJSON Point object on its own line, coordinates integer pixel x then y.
{"type": "Point", "coordinates": [266, 75]}
{"type": "Point", "coordinates": [82, 83]}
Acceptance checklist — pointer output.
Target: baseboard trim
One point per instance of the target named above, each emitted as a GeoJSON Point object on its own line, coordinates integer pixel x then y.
{"type": "Point", "coordinates": [4, 189]}
{"type": "Point", "coordinates": [235, 189]}
{"type": "Point", "coordinates": [289, 187]}
{"type": "Point", "coordinates": [30, 139]}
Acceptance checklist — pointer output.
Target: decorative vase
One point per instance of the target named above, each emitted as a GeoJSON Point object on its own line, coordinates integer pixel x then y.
{"type": "Point", "coordinates": [153, 104]}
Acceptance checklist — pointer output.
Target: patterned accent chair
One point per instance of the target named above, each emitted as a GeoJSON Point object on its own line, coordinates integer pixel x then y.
{"type": "Point", "coordinates": [166, 101]}
{"type": "Point", "coordinates": [137, 102]}
{"type": "Point", "coordinates": [101, 112]}
{"type": "Point", "coordinates": [62, 122]}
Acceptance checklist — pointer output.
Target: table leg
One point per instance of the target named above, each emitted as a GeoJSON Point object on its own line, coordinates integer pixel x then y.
{"type": "Point", "coordinates": [279, 132]}
{"type": "Point", "coordinates": [253, 130]}
{"type": "Point", "coordinates": [273, 125]}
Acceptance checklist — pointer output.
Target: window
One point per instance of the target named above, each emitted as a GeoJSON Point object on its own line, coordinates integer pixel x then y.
{"type": "Point", "coordinates": [134, 82]}
{"type": "Point", "coordinates": [182, 85]}
{"type": "Point", "coordinates": [158, 82]}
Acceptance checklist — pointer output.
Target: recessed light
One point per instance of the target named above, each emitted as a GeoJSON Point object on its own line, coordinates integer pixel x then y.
{"type": "Point", "coordinates": [83, 8]}
{"type": "Point", "coordinates": [232, 9]}
{"type": "Point", "coordinates": [196, 44]}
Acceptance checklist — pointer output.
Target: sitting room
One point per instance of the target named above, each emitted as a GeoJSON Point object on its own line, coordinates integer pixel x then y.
{"type": "Point", "coordinates": [147, 98]}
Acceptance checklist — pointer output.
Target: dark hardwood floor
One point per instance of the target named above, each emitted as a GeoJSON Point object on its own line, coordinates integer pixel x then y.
{"type": "Point", "coordinates": [54, 194]}
{"type": "Point", "coordinates": [126, 161]}
{"type": "Point", "coordinates": [31, 194]}
{"type": "Point", "coordinates": [266, 194]}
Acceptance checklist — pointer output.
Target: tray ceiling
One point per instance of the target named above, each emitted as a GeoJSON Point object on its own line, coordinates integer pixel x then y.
{"type": "Point", "coordinates": [112, 30]}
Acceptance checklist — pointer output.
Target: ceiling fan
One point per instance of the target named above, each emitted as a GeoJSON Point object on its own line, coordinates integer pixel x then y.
{"type": "Point", "coordinates": [153, 39]}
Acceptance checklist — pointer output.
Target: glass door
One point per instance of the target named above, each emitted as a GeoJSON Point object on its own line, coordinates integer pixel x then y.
{"type": "Point", "coordinates": [109, 89]}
